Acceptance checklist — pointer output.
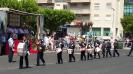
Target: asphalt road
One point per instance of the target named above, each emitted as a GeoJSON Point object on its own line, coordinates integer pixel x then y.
{"type": "Point", "coordinates": [117, 65]}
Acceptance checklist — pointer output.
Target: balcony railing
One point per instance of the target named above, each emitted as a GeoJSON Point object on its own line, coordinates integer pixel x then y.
{"type": "Point", "coordinates": [45, 1]}
{"type": "Point", "coordinates": [78, 1]}
{"type": "Point", "coordinates": [81, 11]}
{"type": "Point", "coordinates": [49, 1]}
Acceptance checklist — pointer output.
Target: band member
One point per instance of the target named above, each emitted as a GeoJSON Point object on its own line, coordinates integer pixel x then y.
{"type": "Point", "coordinates": [59, 49]}
{"type": "Point", "coordinates": [71, 51]}
{"type": "Point", "coordinates": [96, 44]}
{"type": "Point", "coordinates": [40, 54]}
{"type": "Point", "coordinates": [97, 51]}
{"type": "Point", "coordinates": [25, 53]}
{"type": "Point", "coordinates": [131, 48]}
{"type": "Point", "coordinates": [115, 51]}
{"type": "Point", "coordinates": [89, 52]}
{"type": "Point", "coordinates": [108, 48]}
{"type": "Point", "coordinates": [103, 49]}
{"type": "Point", "coordinates": [82, 51]}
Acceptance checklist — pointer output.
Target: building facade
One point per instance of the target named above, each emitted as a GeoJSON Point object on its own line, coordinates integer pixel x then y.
{"type": "Point", "coordinates": [104, 14]}
{"type": "Point", "coordinates": [128, 7]}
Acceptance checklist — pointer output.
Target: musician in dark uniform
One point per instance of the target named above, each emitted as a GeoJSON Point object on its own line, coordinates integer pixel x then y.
{"type": "Point", "coordinates": [71, 54]}
{"type": "Point", "coordinates": [59, 49]}
{"type": "Point", "coordinates": [40, 54]}
{"type": "Point", "coordinates": [82, 50]}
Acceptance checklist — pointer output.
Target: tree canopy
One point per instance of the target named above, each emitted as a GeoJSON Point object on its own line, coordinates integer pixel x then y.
{"type": "Point", "coordinates": [127, 23]}
{"type": "Point", "coordinates": [52, 18]}
{"type": "Point", "coordinates": [55, 18]}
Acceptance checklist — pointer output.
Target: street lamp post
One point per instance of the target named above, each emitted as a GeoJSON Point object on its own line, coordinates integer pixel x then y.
{"type": "Point", "coordinates": [113, 23]}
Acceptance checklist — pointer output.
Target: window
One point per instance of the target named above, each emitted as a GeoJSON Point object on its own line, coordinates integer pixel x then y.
{"type": "Point", "coordinates": [108, 15]}
{"type": "Point", "coordinates": [106, 32]}
{"type": "Point", "coordinates": [128, 9]}
{"type": "Point", "coordinates": [131, 1]}
{"type": "Point", "coordinates": [96, 31]}
{"type": "Point", "coordinates": [108, 5]}
{"type": "Point", "coordinates": [96, 15]}
{"type": "Point", "coordinates": [64, 6]}
{"type": "Point", "coordinates": [59, 0]}
{"type": "Point", "coordinates": [57, 4]}
{"type": "Point", "coordinates": [96, 6]}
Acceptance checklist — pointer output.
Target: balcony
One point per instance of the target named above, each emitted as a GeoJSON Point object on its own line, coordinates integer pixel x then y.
{"type": "Point", "coordinates": [44, 1]}
{"type": "Point", "coordinates": [78, 1]}
{"type": "Point", "coordinates": [81, 11]}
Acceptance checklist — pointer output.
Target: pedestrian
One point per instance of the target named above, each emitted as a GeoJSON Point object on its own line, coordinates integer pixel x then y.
{"type": "Point", "coordinates": [59, 49]}
{"type": "Point", "coordinates": [115, 51]}
{"type": "Point", "coordinates": [108, 48]}
{"type": "Point", "coordinates": [40, 49]}
{"type": "Point", "coordinates": [82, 51]}
{"type": "Point", "coordinates": [131, 48]}
{"type": "Point", "coordinates": [25, 52]}
{"type": "Point", "coordinates": [11, 48]}
{"type": "Point", "coordinates": [103, 48]}
{"type": "Point", "coordinates": [89, 49]}
{"type": "Point", "coordinates": [71, 48]}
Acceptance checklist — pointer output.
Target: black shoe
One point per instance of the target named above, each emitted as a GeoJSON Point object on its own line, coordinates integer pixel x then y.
{"type": "Point", "coordinates": [28, 67]}
{"type": "Point", "coordinates": [43, 64]}
{"type": "Point", "coordinates": [21, 67]}
{"type": "Point", "coordinates": [37, 65]}
{"type": "Point", "coordinates": [14, 61]}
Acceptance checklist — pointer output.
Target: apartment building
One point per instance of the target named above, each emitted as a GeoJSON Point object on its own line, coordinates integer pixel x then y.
{"type": "Point", "coordinates": [104, 14]}
{"type": "Point", "coordinates": [128, 7]}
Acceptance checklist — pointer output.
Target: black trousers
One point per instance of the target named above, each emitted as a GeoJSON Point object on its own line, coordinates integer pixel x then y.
{"type": "Point", "coordinates": [71, 57]}
{"type": "Point", "coordinates": [115, 51]}
{"type": "Point", "coordinates": [130, 51]}
{"type": "Point", "coordinates": [108, 52]}
{"type": "Point", "coordinates": [103, 53]}
{"type": "Point", "coordinates": [97, 53]}
{"type": "Point", "coordinates": [40, 57]}
{"type": "Point", "coordinates": [10, 56]}
{"type": "Point", "coordinates": [59, 58]}
{"type": "Point", "coordinates": [3, 48]}
{"type": "Point", "coordinates": [82, 56]}
{"type": "Point", "coordinates": [26, 61]}
{"type": "Point", "coordinates": [89, 56]}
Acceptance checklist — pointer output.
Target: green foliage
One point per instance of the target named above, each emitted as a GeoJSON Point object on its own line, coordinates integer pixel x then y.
{"type": "Point", "coordinates": [52, 18]}
{"type": "Point", "coordinates": [10, 4]}
{"type": "Point", "coordinates": [127, 23]}
{"type": "Point", "coordinates": [29, 6]}
{"type": "Point", "coordinates": [55, 18]}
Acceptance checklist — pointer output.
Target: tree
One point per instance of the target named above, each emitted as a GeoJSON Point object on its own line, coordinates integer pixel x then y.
{"type": "Point", "coordinates": [127, 23]}
{"type": "Point", "coordinates": [52, 18]}
{"type": "Point", "coordinates": [55, 18]}
{"type": "Point", "coordinates": [10, 4]}
{"type": "Point", "coordinates": [23, 5]}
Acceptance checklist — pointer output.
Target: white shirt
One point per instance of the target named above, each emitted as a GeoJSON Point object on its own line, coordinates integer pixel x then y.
{"type": "Point", "coordinates": [10, 42]}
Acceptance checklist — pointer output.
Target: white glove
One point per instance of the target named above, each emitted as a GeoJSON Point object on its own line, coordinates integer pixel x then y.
{"type": "Point", "coordinates": [28, 53]}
